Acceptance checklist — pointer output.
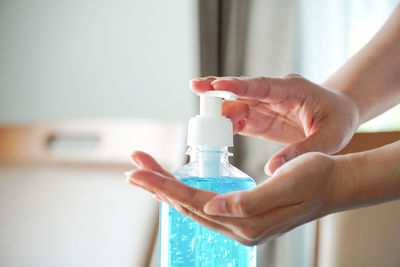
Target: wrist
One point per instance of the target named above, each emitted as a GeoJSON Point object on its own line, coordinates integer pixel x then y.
{"type": "Point", "coordinates": [350, 99]}
{"type": "Point", "coordinates": [357, 107]}
{"type": "Point", "coordinates": [345, 181]}
{"type": "Point", "coordinates": [365, 178]}
{"type": "Point", "coordinates": [354, 90]}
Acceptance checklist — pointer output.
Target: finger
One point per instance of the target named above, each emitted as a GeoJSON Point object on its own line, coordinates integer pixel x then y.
{"type": "Point", "coordinates": [260, 88]}
{"type": "Point", "coordinates": [238, 126]}
{"type": "Point", "coordinates": [180, 195]}
{"type": "Point", "coordinates": [147, 162]}
{"type": "Point", "coordinates": [270, 125]}
{"type": "Point", "coordinates": [272, 194]}
{"type": "Point", "coordinates": [201, 85]}
{"type": "Point", "coordinates": [131, 181]}
{"type": "Point", "coordinates": [319, 141]}
{"type": "Point", "coordinates": [172, 188]}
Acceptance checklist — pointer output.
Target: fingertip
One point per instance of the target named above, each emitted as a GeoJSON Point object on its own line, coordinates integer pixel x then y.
{"type": "Point", "coordinates": [133, 154]}
{"type": "Point", "coordinates": [138, 173]}
{"type": "Point", "coordinates": [238, 126]}
{"type": "Point", "coordinates": [219, 84]}
{"type": "Point", "coordinates": [137, 177]}
{"type": "Point", "coordinates": [241, 124]}
{"type": "Point", "coordinates": [216, 206]}
{"type": "Point", "coordinates": [201, 85]}
{"type": "Point", "coordinates": [131, 182]}
{"type": "Point", "coordinates": [267, 171]}
{"type": "Point", "coordinates": [136, 157]}
{"type": "Point", "coordinates": [147, 177]}
{"type": "Point", "coordinates": [273, 164]}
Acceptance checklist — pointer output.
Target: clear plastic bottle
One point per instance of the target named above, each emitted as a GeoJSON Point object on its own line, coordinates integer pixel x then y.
{"type": "Point", "coordinates": [184, 242]}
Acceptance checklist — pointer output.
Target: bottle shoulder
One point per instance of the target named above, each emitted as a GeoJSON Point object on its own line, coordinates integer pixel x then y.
{"type": "Point", "coordinates": [192, 169]}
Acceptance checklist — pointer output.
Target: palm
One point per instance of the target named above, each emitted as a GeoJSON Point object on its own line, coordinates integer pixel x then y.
{"type": "Point", "coordinates": [270, 120]}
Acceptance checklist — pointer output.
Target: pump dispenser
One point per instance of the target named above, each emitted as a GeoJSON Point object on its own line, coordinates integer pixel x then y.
{"type": "Point", "coordinates": [210, 128]}
{"type": "Point", "coordinates": [184, 242]}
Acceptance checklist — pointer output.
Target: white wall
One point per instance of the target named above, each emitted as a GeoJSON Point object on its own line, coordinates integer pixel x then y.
{"type": "Point", "coordinates": [96, 58]}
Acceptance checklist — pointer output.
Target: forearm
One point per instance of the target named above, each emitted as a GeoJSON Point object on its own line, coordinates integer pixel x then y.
{"type": "Point", "coordinates": [371, 78]}
{"type": "Point", "coordinates": [368, 178]}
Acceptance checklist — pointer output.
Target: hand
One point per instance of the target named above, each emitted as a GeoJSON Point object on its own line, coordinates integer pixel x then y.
{"type": "Point", "coordinates": [302, 190]}
{"type": "Point", "coordinates": [289, 110]}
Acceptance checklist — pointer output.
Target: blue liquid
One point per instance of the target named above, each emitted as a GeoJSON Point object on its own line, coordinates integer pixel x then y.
{"type": "Point", "coordinates": [185, 243]}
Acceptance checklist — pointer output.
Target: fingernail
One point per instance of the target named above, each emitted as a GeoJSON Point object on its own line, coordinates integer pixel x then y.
{"type": "Point", "coordinates": [131, 182]}
{"type": "Point", "coordinates": [228, 84]}
{"type": "Point", "coordinates": [216, 207]}
{"type": "Point", "coordinates": [136, 180]}
{"type": "Point", "coordinates": [266, 170]}
{"type": "Point", "coordinates": [240, 124]}
{"type": "Point", "coordinates": [217, 85]}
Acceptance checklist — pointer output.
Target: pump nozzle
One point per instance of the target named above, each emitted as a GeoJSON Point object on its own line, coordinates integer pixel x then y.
{"type": "Point", "coordinates": [210, 128]}
{"type": "Point", "coordinates": [211, 101]}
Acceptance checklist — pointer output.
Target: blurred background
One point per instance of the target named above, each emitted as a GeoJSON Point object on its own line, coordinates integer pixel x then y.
{"type": "Point", "coordinates": [82, 83]}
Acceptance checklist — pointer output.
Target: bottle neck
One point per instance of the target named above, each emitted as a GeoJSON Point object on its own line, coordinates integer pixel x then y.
{"type": "Point", "coordinates": [209, 159]}
{"type": "Point", "coordinates": [209, 153]}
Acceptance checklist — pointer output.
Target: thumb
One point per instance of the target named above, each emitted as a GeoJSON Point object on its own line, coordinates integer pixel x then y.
{"type": "Point", "coordinates": [269, 195]}
{"type": "Point", "coordinates": [317, 142]}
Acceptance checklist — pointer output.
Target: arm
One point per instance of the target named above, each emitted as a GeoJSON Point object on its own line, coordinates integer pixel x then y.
{"type": "Point", "coordinates": [371, 78]}
{"type": "Point", "coordinates": [368, 178]}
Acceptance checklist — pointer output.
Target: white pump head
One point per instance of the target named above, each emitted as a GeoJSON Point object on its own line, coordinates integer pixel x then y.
{"type": "Point", "coordinates": [210, 128]}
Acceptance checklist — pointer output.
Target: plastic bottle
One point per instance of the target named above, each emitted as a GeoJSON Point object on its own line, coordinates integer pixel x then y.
{"type": "Point", "coordinates": [184, 242]}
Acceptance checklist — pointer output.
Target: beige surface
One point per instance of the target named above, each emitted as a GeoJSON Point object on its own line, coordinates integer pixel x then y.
{"type": "Point", "coordinates": [114, 139]}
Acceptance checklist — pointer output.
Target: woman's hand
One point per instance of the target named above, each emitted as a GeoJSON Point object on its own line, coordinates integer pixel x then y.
{"type": "Point", "coordinates": [302, 190]}
{"type": "Point", "coordinates": [289, 110]}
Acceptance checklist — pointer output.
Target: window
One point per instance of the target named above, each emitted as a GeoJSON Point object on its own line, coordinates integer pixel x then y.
{"type": "Point", "coordinates": [331, 31]}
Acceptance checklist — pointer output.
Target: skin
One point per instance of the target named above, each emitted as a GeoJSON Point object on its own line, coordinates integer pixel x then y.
{"type": "Point", "coordinates": [305, 184]}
